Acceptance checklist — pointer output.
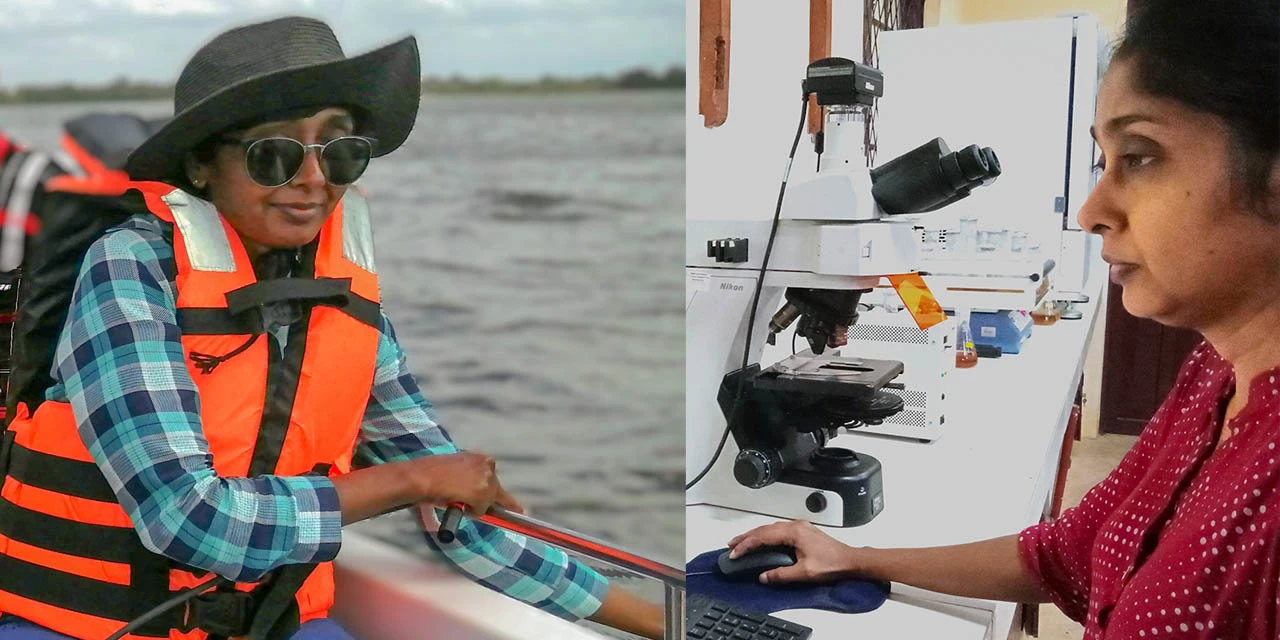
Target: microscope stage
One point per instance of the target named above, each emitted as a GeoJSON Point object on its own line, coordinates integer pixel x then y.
{"type": "Point", "coordinates": [829, 375]}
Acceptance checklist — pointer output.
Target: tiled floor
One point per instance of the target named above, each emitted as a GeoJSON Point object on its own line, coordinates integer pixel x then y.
{"type": "Point", "coordinates": [1091, 460]}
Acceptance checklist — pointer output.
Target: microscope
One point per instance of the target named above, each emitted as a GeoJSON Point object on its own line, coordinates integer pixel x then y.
{"type": "Point", "coordinates": [834, 235]}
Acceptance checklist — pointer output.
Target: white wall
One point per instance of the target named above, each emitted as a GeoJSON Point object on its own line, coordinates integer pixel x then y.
{"type": "Point", "coordinates": [734, 171]}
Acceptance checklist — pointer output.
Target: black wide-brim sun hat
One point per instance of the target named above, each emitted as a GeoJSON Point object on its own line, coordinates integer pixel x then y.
{"type": "Point", "coordinates": [249, 74]}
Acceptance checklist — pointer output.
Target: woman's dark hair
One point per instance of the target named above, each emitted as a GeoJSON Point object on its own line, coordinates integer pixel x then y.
{"type": "Point", "coordinates": [1220, 57]}
{"type": "Point", "coordinates": [204, 153]}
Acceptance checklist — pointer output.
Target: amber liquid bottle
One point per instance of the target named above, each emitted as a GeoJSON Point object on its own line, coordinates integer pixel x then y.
{"type": "Point", "coordinates": [1045, 314]}
{"type": "Point", "coordinates": [966, 354]}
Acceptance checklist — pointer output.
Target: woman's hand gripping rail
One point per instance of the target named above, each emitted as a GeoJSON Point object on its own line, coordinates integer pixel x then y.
{"type": "Point", "coordinates": [620, 608]}
{"type": "Point", "coordinates": [464, 478]}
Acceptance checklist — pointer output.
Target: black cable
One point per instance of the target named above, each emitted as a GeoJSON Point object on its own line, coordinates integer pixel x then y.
{"type": "Point", "coordinates": [183, 596]}
{"type": "Point", "coordinates": [819, 145]}
{"type": "Point", "coordinates": [755, 299]}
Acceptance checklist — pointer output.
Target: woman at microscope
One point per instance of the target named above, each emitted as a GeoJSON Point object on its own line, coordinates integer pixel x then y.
{"type": "Point", "coordinates": [227, 392]}
{"type": "Point", "coordinates": [1183, 537]}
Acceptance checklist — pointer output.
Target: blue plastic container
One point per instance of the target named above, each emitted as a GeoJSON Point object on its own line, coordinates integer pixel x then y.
{"type": "Point", "coordinates": [1004, 329]}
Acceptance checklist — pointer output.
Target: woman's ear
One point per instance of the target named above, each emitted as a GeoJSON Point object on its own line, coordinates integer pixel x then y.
{"type": "Point", "coordinates": [196, 172]}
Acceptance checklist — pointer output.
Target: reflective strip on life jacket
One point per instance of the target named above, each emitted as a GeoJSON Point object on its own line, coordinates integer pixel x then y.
{"type": "Point", "coordinates": [16, 200]}
{"type": "Point", "coordinates": [23, 173]}
{"type": "Point", "coordinates": [207, 242]}
{"type": "Point", "coordinates": [357, 231]}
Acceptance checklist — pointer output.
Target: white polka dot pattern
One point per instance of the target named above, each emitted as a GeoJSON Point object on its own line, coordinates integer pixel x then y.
{"type": "Point", "coordinates": [1181, 540]}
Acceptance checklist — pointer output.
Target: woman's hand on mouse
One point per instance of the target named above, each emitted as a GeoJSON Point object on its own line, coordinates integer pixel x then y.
{"type": "Point", "coordinates": [819, 557]}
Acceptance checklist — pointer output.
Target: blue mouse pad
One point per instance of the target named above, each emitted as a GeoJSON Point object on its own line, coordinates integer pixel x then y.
{"type": "Point", "coordinates": [849, 596]}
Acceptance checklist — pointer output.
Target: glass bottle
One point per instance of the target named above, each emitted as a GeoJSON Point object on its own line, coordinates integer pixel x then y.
{"type": "Point", "coordinates": [966, 354]}
{"type": "Point", "coordinates": [1046, 314]}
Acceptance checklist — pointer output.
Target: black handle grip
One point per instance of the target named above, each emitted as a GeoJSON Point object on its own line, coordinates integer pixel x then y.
{"type": "Point", "coordinates": [448, 530]}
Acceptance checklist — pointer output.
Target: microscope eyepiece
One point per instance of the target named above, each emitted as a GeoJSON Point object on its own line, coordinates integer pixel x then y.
{"type": "Point", "coordinates": [971, 164]}
{"type": "Point", "coordinates": [993, 163]}
{"type": "Point", "coordinates": [931, 176]}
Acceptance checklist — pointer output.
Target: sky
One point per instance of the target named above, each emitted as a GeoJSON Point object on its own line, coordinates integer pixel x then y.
{"type": "Point", "coordinates": [96, 41]}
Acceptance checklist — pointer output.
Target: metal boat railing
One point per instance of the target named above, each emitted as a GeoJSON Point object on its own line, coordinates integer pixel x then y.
{"type": "Point", "coordinates": [569, 540]}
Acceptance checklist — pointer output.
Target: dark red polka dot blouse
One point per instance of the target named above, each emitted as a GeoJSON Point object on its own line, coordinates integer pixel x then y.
{"type": "Point", "coordinates": [1180, 541]}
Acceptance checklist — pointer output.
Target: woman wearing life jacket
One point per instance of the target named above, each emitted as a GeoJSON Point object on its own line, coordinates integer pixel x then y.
{"type": "Point", "coordinates": [1182, 540]}
{"type": "Point", "coordinates": [227, 391]}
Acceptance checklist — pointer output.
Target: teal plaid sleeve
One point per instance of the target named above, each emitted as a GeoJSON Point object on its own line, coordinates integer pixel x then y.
{"type": "Point", "coordinates": [400, 425]}
{"type": "Point", "coordinates": [119, 363]}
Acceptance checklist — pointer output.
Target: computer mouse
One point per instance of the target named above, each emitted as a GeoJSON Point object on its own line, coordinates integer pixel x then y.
{"type": "Point", "coordinates": [755, 562]}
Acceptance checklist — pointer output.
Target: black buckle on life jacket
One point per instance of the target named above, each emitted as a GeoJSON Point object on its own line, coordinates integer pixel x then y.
{"type": "Point", "coordinates": [334, 292]}
{"type": "Point", "coordinates": [226, 614]}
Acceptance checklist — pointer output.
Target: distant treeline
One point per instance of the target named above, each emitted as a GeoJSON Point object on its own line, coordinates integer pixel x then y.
{"type": "Point", "coordinates": [673, 78]}
{"type": "Point", "coordinates": [125, 89]}
{"type": "Point", "coordinates": [118, 89]}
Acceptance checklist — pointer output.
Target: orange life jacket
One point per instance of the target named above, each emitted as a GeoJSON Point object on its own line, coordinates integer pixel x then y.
{"type": "Point", "coordinates": [70, 558]}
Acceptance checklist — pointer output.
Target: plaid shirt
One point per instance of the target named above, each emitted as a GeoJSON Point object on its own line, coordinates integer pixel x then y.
{"type": "Point", "coordinates": [120, 364]}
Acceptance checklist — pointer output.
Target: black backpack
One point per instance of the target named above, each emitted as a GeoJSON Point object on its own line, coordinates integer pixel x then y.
{"type": "Point", "coordinates": [74, 211]}
{"type": "Point", "coordinates": [23, 172]}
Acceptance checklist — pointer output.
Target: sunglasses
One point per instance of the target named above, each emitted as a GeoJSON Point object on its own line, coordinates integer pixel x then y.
{"type": "Point", "coordinates": [274, 162]}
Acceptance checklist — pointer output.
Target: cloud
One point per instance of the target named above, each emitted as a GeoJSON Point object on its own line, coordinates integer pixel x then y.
{"type": "Point", "coordinates": [90, 41]}
{"type": "Point", "coordinates": [165, 7]}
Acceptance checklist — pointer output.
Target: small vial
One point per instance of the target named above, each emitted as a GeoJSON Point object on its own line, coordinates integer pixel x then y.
{"type": "Point", "coordinates": [966, 353]}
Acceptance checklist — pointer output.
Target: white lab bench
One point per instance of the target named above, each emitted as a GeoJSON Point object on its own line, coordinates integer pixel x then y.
{"type": "Point", "coordinates": [992, 473]}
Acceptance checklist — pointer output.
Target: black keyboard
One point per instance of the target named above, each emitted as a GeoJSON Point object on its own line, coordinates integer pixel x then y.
{"type": "Point", "coordinates": [710, 619]}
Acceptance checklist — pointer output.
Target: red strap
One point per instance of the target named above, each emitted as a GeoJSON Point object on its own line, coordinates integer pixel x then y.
{"type": "Point", "coordinates": [31, 226]}
{"type": "Point", "coordinates": [111, 183]}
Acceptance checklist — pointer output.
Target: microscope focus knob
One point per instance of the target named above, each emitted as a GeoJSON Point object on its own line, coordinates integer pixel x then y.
{"type": "Point", "coordinates": [755, 468]}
